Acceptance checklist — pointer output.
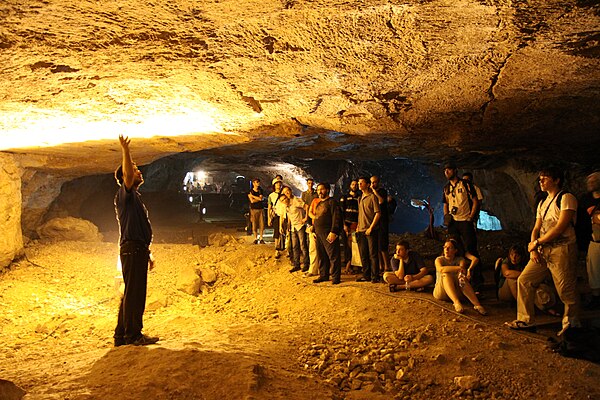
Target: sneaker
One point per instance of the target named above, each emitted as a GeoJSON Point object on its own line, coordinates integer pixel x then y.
{"type": "Point", "coordinates": [120, 341]}
{"type": "Point", "coordinates": [256, 241]}
{"type": "Point", "coordinates": [295, 269]}
{"type": "Point", "coordinates": [261, 241]}
{"type": "Point", "coordinates": [144, 340]}
{"type": "Point", "coordinates": [362, 279]}
{"type": "Point", "coordinates": [319, 280]}
{"type": "Point", "coordinates": [336, 282]}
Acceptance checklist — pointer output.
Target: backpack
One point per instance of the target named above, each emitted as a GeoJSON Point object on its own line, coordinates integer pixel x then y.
{"type": "Point", "coordinates": [582, 225]}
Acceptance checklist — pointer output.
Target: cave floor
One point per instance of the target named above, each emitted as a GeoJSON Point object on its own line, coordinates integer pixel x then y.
{"type": "Point", "coordinates": [259, 332]}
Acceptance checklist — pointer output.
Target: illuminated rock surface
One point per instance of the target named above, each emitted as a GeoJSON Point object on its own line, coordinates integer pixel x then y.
{"type": "Point", "coordinates": [494, 78]}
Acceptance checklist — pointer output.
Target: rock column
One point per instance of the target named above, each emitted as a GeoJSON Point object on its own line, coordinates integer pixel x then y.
{"type": "Point", "coordinates": [11, 239]}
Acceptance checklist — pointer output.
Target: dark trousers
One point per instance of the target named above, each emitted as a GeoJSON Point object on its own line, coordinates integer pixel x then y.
{"type": "Point", "coordinates": [300, 248]}
{"type": "Point", "coordinates": [329, 257]}
{"type": "Point", "coordinates": [465, 232]}
{"type": "Point", "coordinates": [368, 247]}
{"type": "Point", "coordinates": [134, 262]}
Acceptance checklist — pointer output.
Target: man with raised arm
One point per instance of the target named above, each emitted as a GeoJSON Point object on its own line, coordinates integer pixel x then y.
{"type": "Point", "coordinates": [135, 236]}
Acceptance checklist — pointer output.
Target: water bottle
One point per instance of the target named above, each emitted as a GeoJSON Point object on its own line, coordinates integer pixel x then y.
{"type": "Point", "coordinates": [461, 279]}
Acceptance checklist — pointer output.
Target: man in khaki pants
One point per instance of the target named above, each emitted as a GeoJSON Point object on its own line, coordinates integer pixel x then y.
{"type": "Point", "coordinates": [553, 251]}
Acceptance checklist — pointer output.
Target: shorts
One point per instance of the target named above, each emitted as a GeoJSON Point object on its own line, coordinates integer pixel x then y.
{"type": "Point", "coordinates": [256, 217]}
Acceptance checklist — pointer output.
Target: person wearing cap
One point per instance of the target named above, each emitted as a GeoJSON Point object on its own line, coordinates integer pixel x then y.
{"type": "Point", "coordinates": [274, 213]}
{"type": "Point", "coordinates": [461, 207]}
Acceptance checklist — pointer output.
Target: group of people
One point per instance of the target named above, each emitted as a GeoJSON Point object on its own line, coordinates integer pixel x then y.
{"type": "Point", "coordinates": [322, 230]}
{"type": "Point", "coordinates": [318, 226]}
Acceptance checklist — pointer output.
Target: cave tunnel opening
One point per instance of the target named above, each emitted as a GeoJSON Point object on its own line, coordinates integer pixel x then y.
{"type": "Point", "coordinates": [186, 189]}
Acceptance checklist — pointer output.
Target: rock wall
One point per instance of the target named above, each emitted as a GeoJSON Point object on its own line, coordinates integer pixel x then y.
{"type": "Point", "coordinates": [11, 239]}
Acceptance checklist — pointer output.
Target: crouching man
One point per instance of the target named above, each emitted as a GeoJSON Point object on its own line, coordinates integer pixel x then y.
{"type": "Point", "coordinates": [409, 270]}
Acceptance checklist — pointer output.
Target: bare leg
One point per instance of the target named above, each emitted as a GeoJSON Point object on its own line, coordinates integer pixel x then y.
{"type": "Point", "coordinates": [470, 293]}
{"type": "Point", "coordinates": [419, 283]}
{"type": "Point", "coordinates": [451, 289]}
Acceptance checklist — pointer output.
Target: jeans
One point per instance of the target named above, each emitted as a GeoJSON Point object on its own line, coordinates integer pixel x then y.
{"type": "Point", "coordinates": [300, 248]}
{"type": "Point", "coordinates": [368, 247]}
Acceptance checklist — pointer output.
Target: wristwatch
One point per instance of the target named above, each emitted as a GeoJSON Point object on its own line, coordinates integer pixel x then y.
{"type": "Point", "coordinates": [536, 242]}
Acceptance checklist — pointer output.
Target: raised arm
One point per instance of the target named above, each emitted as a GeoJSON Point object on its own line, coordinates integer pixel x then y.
{"type": "Point", "coordinates": [127, 163]}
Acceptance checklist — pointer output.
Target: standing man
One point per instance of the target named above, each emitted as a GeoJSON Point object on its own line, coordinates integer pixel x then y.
{"type": "Point", "coordinates": [553, 250]}
{"type": "Point", "coordinates": [311, 239]}
{"type": "Point", "coordinates": [349, 207]}
{"type": "Point", "coordinates": [591, 205]}
{"type": "Point", "coordinates": [384, 223]}
{"type": "Point", "coordinates": [327, 225]}
{"type": "Point", "coordinates": [274, 215]}
{"type": "Point", "coordinates": [135, 236]}
{"type": "Point", "coordinates": [461, 207]}
{"type": "Point", "coordinates": [297, 214]}
{"type": "Point", "coordinates": [367, 232]}
{"type": "Point", "coordinates": [256, 211]}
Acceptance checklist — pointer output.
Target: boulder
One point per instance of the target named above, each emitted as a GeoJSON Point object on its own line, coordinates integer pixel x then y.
{"type": "Point", "coordinates": [10, 391]}
{"type": "Point", "coordinates": [208, 275]}
{"type": "Point", "coordinates": [69, 228]}
{"type": "Point", "coordinates": [11, 240]}
{"type": "Point", "coordinates": [188, 281]}
{"type": "Point", "coordinates": [467, 382]}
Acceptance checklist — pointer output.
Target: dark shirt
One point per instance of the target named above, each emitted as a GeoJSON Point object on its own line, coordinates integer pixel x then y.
{"type": "Point", "coordinates": [327, 217]}
{"type": "Point", "coordinates": [308, 197]}
{"type": "Point", "coordinates": [349, 207]}
{"type": "Point", "coordinates": [412, 266]}
{"type": "Point", "coordinates": [132, 216]}
{"type": "Point", "coordinates": [383, 207]}
{"type": "Point", "coordinates": [511, 267]}
{"type": "Point", "coordinates": [259, 204]}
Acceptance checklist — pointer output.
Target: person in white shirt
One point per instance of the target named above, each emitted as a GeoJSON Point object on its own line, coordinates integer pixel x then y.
{"type": "Point", "coordinates": [553, 250]}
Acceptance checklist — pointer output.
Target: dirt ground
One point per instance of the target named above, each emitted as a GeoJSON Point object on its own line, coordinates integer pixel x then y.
{"type": "Point", "coordinates": [259, 332]}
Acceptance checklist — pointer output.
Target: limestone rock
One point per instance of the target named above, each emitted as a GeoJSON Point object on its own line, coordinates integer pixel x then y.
{"type": "Point", "coordinates": [188, 281]}
{"type": "Point", "coordinates": [70, 228]}
{"type": "Point", "coordinates": [11, 240]}
{"type": "Point", "coordinates": [156, 301]}
{"type": "Point", "coordinates": [208, 275]}
{"type": "Point", "coordinates": [10, 391]}
{"type": "Point", "coordinates": [467, 382]}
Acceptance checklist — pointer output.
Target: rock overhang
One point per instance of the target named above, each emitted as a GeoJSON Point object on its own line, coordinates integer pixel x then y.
{"type": "Point", "coordinates": [482, 81]}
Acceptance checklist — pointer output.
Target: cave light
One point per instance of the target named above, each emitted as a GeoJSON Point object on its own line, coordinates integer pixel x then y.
{"type": "Point", "coordinates": [293, 176]}
{"type": "Point", "coordinates": [50, 128]}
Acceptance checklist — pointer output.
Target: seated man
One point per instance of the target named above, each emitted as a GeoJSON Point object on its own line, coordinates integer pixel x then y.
{"type": "Point", "coordinates": [409, 270]}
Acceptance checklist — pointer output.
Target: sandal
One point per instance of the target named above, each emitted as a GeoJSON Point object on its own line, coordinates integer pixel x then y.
{"type": "Point", "coordinates": [480, 310]}
{"type": "Point", "coordinates": [520, 326]}
{"type": "Point", "coordinates": [458, 308]}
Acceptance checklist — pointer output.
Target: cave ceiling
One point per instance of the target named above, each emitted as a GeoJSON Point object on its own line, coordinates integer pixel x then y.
{"type": "Point", "coordinates": [485, 81]}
